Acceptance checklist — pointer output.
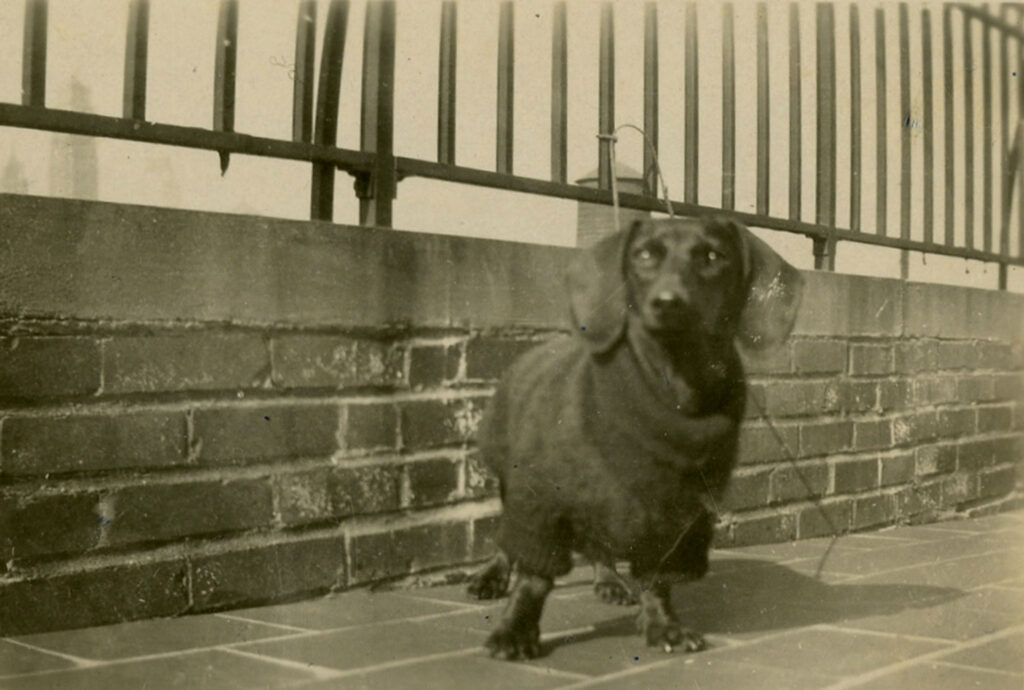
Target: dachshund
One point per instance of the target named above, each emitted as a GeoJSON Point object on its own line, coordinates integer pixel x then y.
{"type": "Point", "coordinates": [616, 441]}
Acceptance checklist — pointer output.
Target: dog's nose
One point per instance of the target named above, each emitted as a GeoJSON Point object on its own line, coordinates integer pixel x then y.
{"type": "Point", "coordinates": [667, 302]}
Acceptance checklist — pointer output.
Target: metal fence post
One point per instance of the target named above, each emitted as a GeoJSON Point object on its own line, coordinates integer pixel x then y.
{"type": "Point", "coordinates": [376, 191]}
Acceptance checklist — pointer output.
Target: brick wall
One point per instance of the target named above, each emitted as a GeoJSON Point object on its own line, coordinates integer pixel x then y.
{"type": "Point", "coordinates": [201, 411]}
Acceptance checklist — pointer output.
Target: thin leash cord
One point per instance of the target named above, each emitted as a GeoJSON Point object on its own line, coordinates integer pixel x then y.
{"type": "Point", "coordinates": [612, 139]}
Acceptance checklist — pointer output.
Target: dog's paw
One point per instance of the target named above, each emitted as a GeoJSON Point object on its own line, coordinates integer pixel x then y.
{"type": "Point", "coordinates": [671, 636]}
{"type": "Point", "coordinates": [487, 586]}
{"type": "Point", "coordinates": [614, 593]}
{"type": "Point", "coordinates": [511, 644]}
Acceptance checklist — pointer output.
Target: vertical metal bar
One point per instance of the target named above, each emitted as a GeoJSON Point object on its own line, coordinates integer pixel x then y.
{"type": "Point", "coordinates": [135, 55]}
{"type": "Point", "coordinates": [927, 125]}
{"type": "Point", "coordinates": [763, 145]}
{"type": "Point", "coordinates": [728, 109]}
{"type": "Point", "coordinates": [377, 122]}
{"type": "Point", "coordinates": [691, 117]}
{"type": "Point", "coordinates": [855, 119]}
{"type": "Point", "coordinates": [33, 56]}
{"type": "Point", "coordinates": [506, 89]}
{"type": "Point", "coordinates": [304, 72]}
{"type": "Point", "coordinates": [968, 134]}
{"type": "Point", "coordinates": [905, 160]}
{"type": "Point", "coordinates": [1005, 161]}
{"type": "Point", "coordinates": [559, 95]}
{"type": "Point", "coordinates": [949, 154]}
{"type": "Point", "coordinates": [987, 139]}
{"type": "Point", "coordinates": [446, 85]}
{"type": "Point", "coordinates": [606, 94]}
{"type": "Point", "coordinates": [881, 118]}
{"type": "Point", "coordinates": [650, 97]}
{"type": "Point", "coordinates": [224, 72]}
{"type": "Point", "coordinates": [795, 99]}
{"type": "Point", "coordinates": [1004, 248]}
{"type": "Point", "coordinates": [826, 141]}
{"type": "Point", "coordinates": [325, 131]}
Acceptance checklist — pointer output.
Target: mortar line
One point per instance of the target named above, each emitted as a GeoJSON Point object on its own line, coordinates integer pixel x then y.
{"type": "Point", "coordinates": [918, 660]}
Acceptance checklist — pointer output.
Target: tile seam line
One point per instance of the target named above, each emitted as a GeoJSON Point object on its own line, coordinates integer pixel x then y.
{"type": "Point", "coordinates": [916, 661]}
{"type": "Point", "coordinates": [968, 667]}
{"type": "Point", "coordinates": [319, 672]}
{"type": "Point", "coordinates": [884, 633]}
{"type": "Point", "coordinates": [80, 662]}
{"type": "Point", "coordinates": [253, 621]}
{"type": "Point", "coordinates": [943, 560]}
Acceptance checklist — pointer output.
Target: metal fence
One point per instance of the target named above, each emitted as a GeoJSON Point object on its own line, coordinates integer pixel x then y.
{"type": "Point", "coordinates": [378, 170]}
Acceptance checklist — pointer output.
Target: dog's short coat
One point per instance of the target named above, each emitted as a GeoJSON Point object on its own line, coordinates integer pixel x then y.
{"type": "Point", "coordinates": [616, 442]}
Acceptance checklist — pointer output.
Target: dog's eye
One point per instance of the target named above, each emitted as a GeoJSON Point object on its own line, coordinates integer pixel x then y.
{"type": "Point", "coordinates": [713, 256]}
{"type": "Point", "coordinates": [649, 253]}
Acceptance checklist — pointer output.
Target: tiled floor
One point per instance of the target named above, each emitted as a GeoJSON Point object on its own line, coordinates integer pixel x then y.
{"type": "Point", "coordinates": [940, 606]}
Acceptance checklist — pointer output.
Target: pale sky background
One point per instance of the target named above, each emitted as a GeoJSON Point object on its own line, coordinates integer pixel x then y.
{"type": "Point", "coordinates": [86, 44]}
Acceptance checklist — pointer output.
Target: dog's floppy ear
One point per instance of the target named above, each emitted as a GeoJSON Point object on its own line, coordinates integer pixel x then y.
{"type": "Point", "coordinates": [774, 291]}
{"type": "Point", "coordinates": [597, 290]}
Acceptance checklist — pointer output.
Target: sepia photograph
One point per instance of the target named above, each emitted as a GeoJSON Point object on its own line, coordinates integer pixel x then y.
{"type": "Point", "coordinates": [525, 344]}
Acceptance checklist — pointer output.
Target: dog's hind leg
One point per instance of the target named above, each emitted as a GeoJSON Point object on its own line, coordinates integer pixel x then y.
{"type": "Point", "coordinates": [491, 580]}
{"type": "Point", "coordinates": [658, 622]}
{"type": "Point", "coordinates": [610, 587]}
{"type": "Point", "coordinates": [518, 633]}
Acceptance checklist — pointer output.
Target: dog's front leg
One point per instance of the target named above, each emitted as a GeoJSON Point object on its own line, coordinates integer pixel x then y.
{"type": "Point", "coordinates": [610, 587]}
{"type": "Point", "coordinates": [518, 633]}
{"type": "Point", "coordinates": [658, 622]}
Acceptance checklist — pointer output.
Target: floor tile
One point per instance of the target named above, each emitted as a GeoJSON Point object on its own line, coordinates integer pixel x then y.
{"type": "Point", "coordinates": [368, 646]}
{"type": "Point", "coordinates": [351, 608]}
{"type": "Point", "coordinates": [461, 672]}
{"type": "Point", "coordinates": [829, 652]}
{"type": "Point", "coordinates": [710, 673]}
{"type": "Point", "coordinates": [951, 620]}
{"type": "Point", "coordinates": [16, 659]}
{"type": "Point", "coordinates": [1004, 654]}
{"type": "Point", "coordinates": [961, 573]}
{"type": "Point", "coordinates": [150, 637]}
{"type": "Point", "coordinates": [940, 677]}
{"type": "Point", "coordinates": [209, 670]}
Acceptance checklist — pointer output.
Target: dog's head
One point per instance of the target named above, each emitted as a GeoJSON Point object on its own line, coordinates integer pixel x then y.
{"type": "Point", "coordinates": [682, 278]}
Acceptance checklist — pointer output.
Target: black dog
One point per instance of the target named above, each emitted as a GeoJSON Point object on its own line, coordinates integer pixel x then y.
{"type": "Point", "coordinates": [616, 442]}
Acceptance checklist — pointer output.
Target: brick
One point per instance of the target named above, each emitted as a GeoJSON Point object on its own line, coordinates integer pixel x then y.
{"type": "Point", "coordinates": [997, 482]}
{"type": "Point", "coordinates": [919, 499]}
{"type": "Point", "coordinates": [263, 573]}
{"type": "Point", "coordinates": [955, 423]}
{"type": "Point", "coordinates": [822, 438]}
{"type": "Point", "coordinates": [756, 400]}
{"type": "Point", "coordinates": [487, 357]}
{"type": "Point", "coordinates": [811, 522]}
{"type": "Point", "coordinates": [995, 418]}
{"type": "Point", "coordinates": [855, 476]}
{"type": "Point", "coordinates": [757, 443]}
{"type": "Point", "coordinates": [819, 356]}
{"type": "Point", "coordinates": [84, 443]}
{"type": "Point", "coordinates": [44, 367]}
{"type": "Point", "coordinates": [895, 395]}
{"type": "Point", "coordinates": [764, 530]}
{"type": "Point", "coordinates": [430, 423]}
{"type": "Point", "coordinates": [239, 435]}
{"type": "Point", "coordinates": [127, 591]}
{"type": "Point", "coordinates": [897, 469]}
{"type": "Point", "coordinates": [958, 488]}
{"type": "Point", "coordinates": [915, 356]}
{"type": "Point", "coordinates": [327, 361]}
{"type": "Point", "coordinates": [33, 526]}
{"type": "Point", "coordinates": [748, 490]}
{"type": "Point", "coordinates": [774, 360]}
{"type": "Point", "coordinates": [873, 510]}
{"type": "Point", "coordinates": [787, 485]}
{"type": "Point", "coordinates": [956, 354]}
{"type": "Point", "coordinates": [796, 398]}
{"type": "Point", "coordinates": [1008, 387]}
{"type": "Point", "coordinates": [389, 554]}
{"type": "Point", "coordinates": [931, 390]}
{"type": "Point", "coordinates": [859, 396]}
{"type": "Point", "coordinates": [159, 512]}
{"type": "Point", "coordinates": [939, 459]}
{"type": "Point", "coordinates": [871, 360]}
{"type": "Point", "coordinates": [371, 426]}
{"type": "Point", "coordinates": [913, 428]}
{"type": "Point", "coordinates": [872, 434]}
{"type": "Point", "coordinates": [480, 481]}
{"type": "Point", "coordinates": [975, 388]}
{"type": "Point", "coordinates": [432, 482]}
{"type": "Point", "coordinates": [303, 497]}
{"type": "Point", "coordinates": [485, 534]}
{"type": "Point", "coordinates": [974, 454]}
{"type": "Point", "coordinates": [196, 361]}
{"type": "Point", "coordinates": [993, 355]}
{"type": "Point", "coordinates": [433, 365]}
{"type": "Point", "coordinates": [365, 490]}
